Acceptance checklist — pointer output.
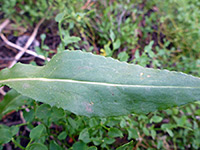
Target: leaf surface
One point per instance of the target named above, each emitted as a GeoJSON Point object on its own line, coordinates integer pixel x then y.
{"type": "Point", "coordinates": [12, 101]}
{"type": "Point", "coordinates": [93, 85]}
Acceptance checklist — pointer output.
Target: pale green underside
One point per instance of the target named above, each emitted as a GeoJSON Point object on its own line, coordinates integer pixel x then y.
{"type": "Point", "coordinates": [93, 85]}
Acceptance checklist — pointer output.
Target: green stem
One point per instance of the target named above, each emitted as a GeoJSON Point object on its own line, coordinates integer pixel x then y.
{"type": "Point", "coordinates": [22, 124]}
{"type": "Point", "coordinates": [29, 143]}
{"type": "Point", "coordinates": [17, 144]}
{"type": "Point", "coordinates": [105, 127]}
{"type": "Point", "coordinates": [60, 32]}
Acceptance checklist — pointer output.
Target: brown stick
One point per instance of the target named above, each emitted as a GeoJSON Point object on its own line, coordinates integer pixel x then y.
{"type": "Point", "coordinates": [29, 42]}
{"type": "Point", "coordinates": [20, 48]}
{"type": "Point", "coordinates": [4, 24]}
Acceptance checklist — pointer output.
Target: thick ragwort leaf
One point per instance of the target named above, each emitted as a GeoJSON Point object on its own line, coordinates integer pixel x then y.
{"type": "Point", "coordinates": [93, 85]}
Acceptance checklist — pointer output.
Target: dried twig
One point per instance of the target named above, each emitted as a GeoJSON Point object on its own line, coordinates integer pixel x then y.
{"type": "Point", "coordinates": [4, 24]}
{"type": "Point", "coordinates": [22, 117]}
{"type": "Point", "coordinates": [29, 42]}
{"type": "Point", "coordinates": [21, 49]}
{"type": "Point", "coordinates": [2, 92]}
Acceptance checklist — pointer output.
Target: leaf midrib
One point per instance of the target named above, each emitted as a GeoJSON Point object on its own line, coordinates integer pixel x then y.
{"type": "Point", "coordinates": [95, 83]}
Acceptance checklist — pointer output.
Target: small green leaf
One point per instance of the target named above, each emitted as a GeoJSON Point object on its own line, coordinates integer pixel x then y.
{"type": "Point", "coordinates": [132, 133]}
{"type": "Point", "coordinates": [54, 146]}
{"type": "Point", "coordinates": [114, 132]}
{"type": "Point", "coordinates": [29, 116]}
{"type": "Point", "coordinates": [14, 130]}
{"type": "Point", "coordinates": [170, 132]}
{"type": "Point", "coordinates": [79, 146]}
{"type": "Point", "coordinates": [109, 52]}
{"type": "Point", "coordinates": [12, 101]}
{"type": "Point", "coordinates": [43, 111]}
{"type": "Point", "coordinates": [116, 44]}
{"type": "Point", "coordinates": [84, 136]}
{"type": "Point", "coordinates": [92, 148]}
{"type": "Point", "coordinates": [112, 35]}
{"type": "Point", "coordinates": [37, 146]}
{"type": "Point", "coordinates": [93, 122]}
{"type": "Point", "coordinates": [123, 123]}
{"type": "Point", "coordinates": [146, 131]}
{"type": "Point", "coordinates": [156, 119]}
{"type": "Point", "coordinates": [57, 113]}
{"type": "Point", "coordinates": [96, 140]}
{"type": "Point", "coordinates": [59, 17]}
{"type": "Point", "coordinates": [62, 135]}
{"type": "Point", "coordinates": [43, 37]}
{"type": "Point", "coordinates": [123, 56]}
{"type": "Point", "coordinates": [153, 134]}
{"type": "Point", "coordinates": [71, 39]}
{"type": "Point", "coordinates": [45, 47]}
{"type": "Point", "coordinates": [109, 140]}
{"type": "Point", "coordinates": [39, 51]}
{"type": "Point", "coordinates": [127, 146]}
{"type": "Point", "coordinates": [73, 123]}
{"type": "Point", "coordinates": [6, 134]}
{"type": "Point", "coordinates": [37, 132]}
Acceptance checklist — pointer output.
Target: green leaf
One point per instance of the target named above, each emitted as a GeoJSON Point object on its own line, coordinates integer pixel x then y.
{"type": "Point", "coordinates": [109, 52]}
{"type": "Point", "coordinates": [37, 132]}
{"type": "Point", "coordinates": [84, 136]}
{"type": "Point", "coordinates": [114, 132]}
{"type": "Point", "coordinates": [59, 17]}
{"type": "Point", "coordinates": [93, 85]}
{"type": "Point", "coordinates": [116, 44]}
{"type": "Point", "coordinates": [39, 51]}
{"type": "Point", "coordinates": [132, 133]}
{"type": "Point", "coordinates": [73, 123]}
{"type": "Point", "coordinates": [14, 130]}
{"type": "Point", "coordinates": [146, 131]}
{"type": "Point", "coordinates": [96, 140]}
{"type": "Point", "coordinates": [153, 134]}
{"type": "Point", "coordinates": [43, 111]}
{"type": "Point", "coordinates": [93, 122]}
{"type": "Point", "coordinates": [71, 39]}
{"type": "Point", "coordinates": [6, 134]}
{"type": "Point", "coordinates": [156, 119]}
{"type": "Point", "coordinates": [112, 35]}
{"type": "Point", "coordinates": [127, 146]}
{"type": "Point", "coordinates": [57, 113]}
{"type": "Point", "coordinates": [43, 36]}
{"type": "Point", "coordinates": [79, 146]}
{"type": "Point", "coordinates": [92, 148]}
{"type": "Point", "coordinates": [109, 140]}
{"type": "Point", "coordinates": [123, 56]}
{"type": "Point", "coordinates": [54, 146]}
{"type": "Point", "coordinates": [12, 101]}
{"type": "Point", "coordinates": [29, 116]}
{"type": "Point", "coordinates": [37, 146]}
{"type": "Point", "coordinates": [170, 132]}
{"type": "Point", "coordinates": [62, 135]}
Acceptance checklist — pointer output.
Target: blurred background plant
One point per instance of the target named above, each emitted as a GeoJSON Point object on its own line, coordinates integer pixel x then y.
{"type": "Point", "coordinates": [149, 33]}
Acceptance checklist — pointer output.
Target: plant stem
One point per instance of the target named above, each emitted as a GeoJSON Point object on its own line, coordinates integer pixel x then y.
{"type": "Point", "coordinates": [17, 144]}
{"type": "Point", "coordinates": [60, 32]}
{"type": "Point", "coordinates": [29, 143]}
